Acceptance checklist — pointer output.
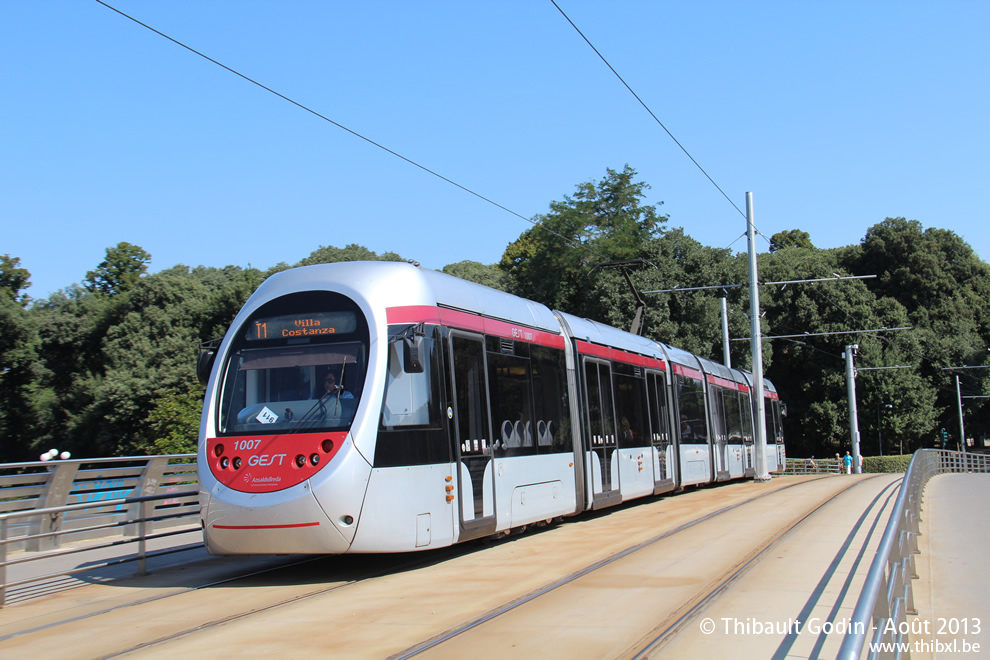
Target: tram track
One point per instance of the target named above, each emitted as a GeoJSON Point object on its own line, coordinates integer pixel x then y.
{"type": "Point", "coordinates": [406, 565]}
{"type": "Point", "coordinates": [429, 593]}
{"type": "Point", "coordinates": [651, 644]}
{"type": "Point", "coordinates": [670, 625]}
{"type": "Point", "coordinates": [280, 574]}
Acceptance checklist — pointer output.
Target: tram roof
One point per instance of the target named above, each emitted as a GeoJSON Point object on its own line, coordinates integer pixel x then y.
{"type": "Point", "coordinates": [599, 333]}
{"type": "Point", "coordinates": [468, 296]}
{"type": "Point", "coordinates": [680, 356]}
{"type": "Point", "coordinates": [400, 284]}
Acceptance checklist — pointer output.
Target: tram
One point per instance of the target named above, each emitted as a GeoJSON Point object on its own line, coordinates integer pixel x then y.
{"type": "Point", "coordinates": [383, 407]}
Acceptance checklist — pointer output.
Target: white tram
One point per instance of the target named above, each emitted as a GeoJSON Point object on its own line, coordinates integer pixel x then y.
{"type": "Point", "coordinates": [382, 407]}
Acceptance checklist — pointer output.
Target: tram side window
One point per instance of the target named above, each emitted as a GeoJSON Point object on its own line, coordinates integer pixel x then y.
{"type": "Point", "coordinates": [658, 408]}
{"type": "Point", "coordinates": [716, 405]}
{"type": "Point", "coordinates": [551, 410]}
{"type": "Point", "coordinates": [601, 425]}
{"type": "Point", "coordinates": [733, 416]}
{"type": "Point", "coordinates": [411, 431]}
{"type": "Point", "coordinates": [511, 392]}
{"type": "Point", "coordinates": [691, 402]}
{"type": "Point", "coordinates": [631, 407]}
{"type": "Point", "coordinates": [471, 394]}
{"type": "Point", "coordinates": [746, 406]}
{"type": "Point", "coordinates": [779, 421]}
{"type": "Point", "coordinates": [769, 420]}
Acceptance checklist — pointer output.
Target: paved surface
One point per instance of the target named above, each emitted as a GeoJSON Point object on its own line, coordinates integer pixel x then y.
{"type": "Point", "coordinates": [604, 615]}
{"type": "Point", "coordinates": [790, 603]}
{"type": "Point", "coordinates": [952, 594]}
{"type": "Point", "coordinates": [75, 557]}
{"type": "Point", "coordinates": [794, 602]}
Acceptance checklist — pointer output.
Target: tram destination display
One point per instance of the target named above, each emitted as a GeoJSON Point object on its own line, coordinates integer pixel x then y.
{"type": "Point", "coordinates": [290, 326]}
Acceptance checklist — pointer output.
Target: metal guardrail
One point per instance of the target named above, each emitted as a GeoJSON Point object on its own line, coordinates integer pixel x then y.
{"type": "Point", "coordinates": [143, 523]}
{"type": "Point", "coordinates": [41, 485]}
{"type": "Point", "coordinates": [814, 466]}
{"type": "Point", "coordinates": [887, 595]}
{"type": "Point", "coordinates": [132, 499]}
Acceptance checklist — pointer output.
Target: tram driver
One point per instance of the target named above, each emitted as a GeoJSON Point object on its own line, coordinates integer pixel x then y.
{"type": "Point", "coordinates": [331, 388]}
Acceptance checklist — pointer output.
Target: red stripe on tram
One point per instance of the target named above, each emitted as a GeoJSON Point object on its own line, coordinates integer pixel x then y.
{"type": "Point", "coordinates": [309, 524]}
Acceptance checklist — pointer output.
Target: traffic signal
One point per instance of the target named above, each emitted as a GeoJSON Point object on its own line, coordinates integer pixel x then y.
{"type": "Point", "coordinates": [945, 438]}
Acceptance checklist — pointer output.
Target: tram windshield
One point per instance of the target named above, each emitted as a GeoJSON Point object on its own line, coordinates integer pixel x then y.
{"type": "Point", "coordinates": [294, 381]}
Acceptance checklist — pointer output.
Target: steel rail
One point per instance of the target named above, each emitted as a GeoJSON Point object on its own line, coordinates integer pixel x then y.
{"type": "Point", "coordinates": [468, 626]}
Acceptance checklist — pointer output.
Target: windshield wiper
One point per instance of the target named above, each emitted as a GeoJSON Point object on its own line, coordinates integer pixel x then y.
{"type": "Point", "coordinates": [313, 414]}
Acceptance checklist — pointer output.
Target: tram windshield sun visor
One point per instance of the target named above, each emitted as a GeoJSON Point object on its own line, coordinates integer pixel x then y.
{"type": "Point", "coordinates": [297, 356]}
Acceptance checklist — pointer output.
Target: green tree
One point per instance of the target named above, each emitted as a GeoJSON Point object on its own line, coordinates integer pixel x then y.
{"type": "Point", "coordinates": [18, 362]}
{"type": "Point", "coordinates": [14, 279]}
{"type": "Point", "coordinates": [688, 320]}
{"type": "Point", "coordinates": [603, 221]}
{"type": "Point", "coordinates": [229, 288]}
{"type": "Point", "coordinates": [490, 276]}
{"type": "Point", "coordinates": [810, 372]}
{"type": "Point", "coordinates": [106, 359]}
{"type": "Point", "coordinates": [790, 238]}
{"type": "Point", "coordinates": [353, 252]}
{"type": "Point", "coordinates": [123, 266]}
{"type": "Point", "coordinates": [173, 421]}
{"type": "Point", "coordinates": [71, 325]}
{"type": "Point", "coordinates": [945, 288]}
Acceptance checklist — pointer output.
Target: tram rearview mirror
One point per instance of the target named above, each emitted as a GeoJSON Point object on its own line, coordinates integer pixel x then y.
{"type": "Point", "coordinates": [413, 355]}
{"type": "Point", "coordinates": [204, 364]}
{"type": "Point", "coordinates": [207, 356]}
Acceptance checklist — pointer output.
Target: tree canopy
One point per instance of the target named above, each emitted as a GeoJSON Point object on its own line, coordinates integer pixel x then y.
{"type": "Point", "coordinates": [108, 368]}
{"type": "Point", "coordinates": [123, 266]}
{"type": "Point", "coordinates": [604, 221]}
{"type": "Point", "coordinates": [13, 279]}
{"type": "Point", "coordinates": [790, 238]}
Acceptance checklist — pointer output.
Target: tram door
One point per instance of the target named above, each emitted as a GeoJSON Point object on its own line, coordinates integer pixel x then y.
{"type": "Point", "coordinates": [746, 415]}
{"type": "Point", "coordinates": [472, 435]}
{"type": "Point", "coordinates": [602, 442]}
{"type": "Point", "coordinates": [665, 450]}
{"type": "Point", "coordinates": [720, 436]}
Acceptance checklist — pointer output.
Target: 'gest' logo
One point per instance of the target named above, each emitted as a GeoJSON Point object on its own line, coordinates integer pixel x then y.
{"type": "Point", "coordinates": [265, 460]}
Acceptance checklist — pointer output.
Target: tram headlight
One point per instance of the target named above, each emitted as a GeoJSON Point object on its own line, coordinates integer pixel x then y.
{"type": "Point", "coordinates": [300, 461]}
{"type": "Point", "coordinates": [224, 462]}
{"type": "Point", "coordinates": [314, 459]}
{"type": "Point", "coordinates": [237, 462]}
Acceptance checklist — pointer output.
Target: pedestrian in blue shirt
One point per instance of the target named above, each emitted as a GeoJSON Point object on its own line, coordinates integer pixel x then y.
{"type": "Point", "coordinates": [847, 460]}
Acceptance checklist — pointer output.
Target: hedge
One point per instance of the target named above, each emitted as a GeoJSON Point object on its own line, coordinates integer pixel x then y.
{"type": "Point", "coordinates": [885, 464]}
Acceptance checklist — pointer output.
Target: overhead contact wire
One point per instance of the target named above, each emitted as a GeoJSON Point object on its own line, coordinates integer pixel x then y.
{"type": "Point", "coordinates": [567, 240]}
{"type": "Point", "coordinates": [647, 108]}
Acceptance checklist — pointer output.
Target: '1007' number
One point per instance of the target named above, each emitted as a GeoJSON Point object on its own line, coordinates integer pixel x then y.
{"type": "Point", "coordinates": [246, 445]}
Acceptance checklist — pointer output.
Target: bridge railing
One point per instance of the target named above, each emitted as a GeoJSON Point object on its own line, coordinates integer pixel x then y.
{"type": "Point", "coordinates": [57, 508]}
{"type": "Point", "coordinates": [887, 595]}
{"type": "Point", "coordinates": [813, 466]}
{"type": "Point", "coordinates": [44, 485]}
{"type": "Point", "coordinates": [151, 510]}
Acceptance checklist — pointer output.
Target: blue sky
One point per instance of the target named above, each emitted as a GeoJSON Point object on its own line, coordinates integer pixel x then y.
{"type": "Point", "coordinates": [834, 114]}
